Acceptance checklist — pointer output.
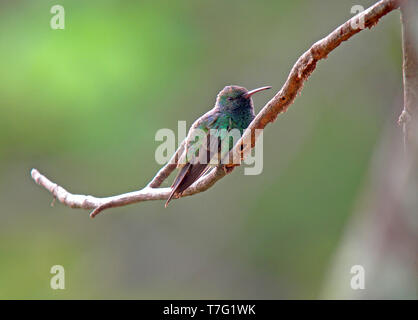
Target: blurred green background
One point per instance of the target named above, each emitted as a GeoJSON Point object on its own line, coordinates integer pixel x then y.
{"type": "Point", "coordinates": [83, 105]}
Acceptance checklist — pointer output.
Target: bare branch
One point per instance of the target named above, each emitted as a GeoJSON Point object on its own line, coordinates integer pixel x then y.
{"type": "Point", "coordinates": [300, 72]}
{"type": "Point", "coordinates": [409, 116]}
{"type": "Point", "coordinates": [100, 204]}
{"type": "Point", "coordinates": [165, 171]}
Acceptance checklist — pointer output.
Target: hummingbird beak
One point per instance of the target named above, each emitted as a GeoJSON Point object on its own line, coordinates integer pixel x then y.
{"type": "Point", "coordinates": [250, 93]}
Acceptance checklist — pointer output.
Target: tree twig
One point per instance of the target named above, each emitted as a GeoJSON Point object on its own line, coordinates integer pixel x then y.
{"type": "Point", "coordinates": [165, 171]}
{"type": "Point", "coordinates": [300, 72]}
{"type": "Point", "coordinates": [409, 115]}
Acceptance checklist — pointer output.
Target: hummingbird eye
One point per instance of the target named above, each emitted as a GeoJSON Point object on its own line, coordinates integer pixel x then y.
{"type": "Point", "coordinates": [230, 98]}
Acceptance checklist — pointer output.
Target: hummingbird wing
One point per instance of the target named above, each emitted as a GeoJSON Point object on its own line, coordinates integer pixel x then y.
{"type": "Point", "coordinates": [201, 146]}
{"type": "Point", "coordinates": [198, 139]}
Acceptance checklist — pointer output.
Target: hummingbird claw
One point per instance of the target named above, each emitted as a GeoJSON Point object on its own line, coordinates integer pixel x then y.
{"type": "Point", "coordinates": [228, 168]}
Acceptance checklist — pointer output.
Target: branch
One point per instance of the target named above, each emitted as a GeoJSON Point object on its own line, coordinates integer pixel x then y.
{"type": "Point", "coordinates": [165, 171]}
{"type": "Point", "coordinates": [300, 72]}
{"type": "Point", "coordinates": [409, 116]}
{"type": "Point", "coordinates": [100, 204]}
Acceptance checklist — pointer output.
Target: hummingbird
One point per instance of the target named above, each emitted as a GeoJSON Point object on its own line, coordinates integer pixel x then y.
{"type": "Point", "coordinates": [233, 109]}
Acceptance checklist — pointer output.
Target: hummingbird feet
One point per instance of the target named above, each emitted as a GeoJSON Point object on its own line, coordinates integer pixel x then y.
{"type": "Point", "coordinates": [229, 167]}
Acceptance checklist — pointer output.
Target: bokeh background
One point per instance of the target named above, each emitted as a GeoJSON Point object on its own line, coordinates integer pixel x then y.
{"type": "Point", "coordinates": [83, 105]}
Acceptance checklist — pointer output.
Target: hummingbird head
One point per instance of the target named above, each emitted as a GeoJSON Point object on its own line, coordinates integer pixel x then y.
{"type": "Point", "coordinates": [234, 97]}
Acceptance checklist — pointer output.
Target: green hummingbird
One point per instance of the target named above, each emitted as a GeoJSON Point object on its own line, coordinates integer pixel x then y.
{"type": "Point", "coordinates": [233, 109]}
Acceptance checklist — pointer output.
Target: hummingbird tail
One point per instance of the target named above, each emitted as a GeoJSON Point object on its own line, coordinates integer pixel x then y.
{"type": "Point", "coordinates": [176, 183]}
{"type": "Point", "coordinates": [186, 177]}
{"type": "Point", "coordinates": [169, 199]}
